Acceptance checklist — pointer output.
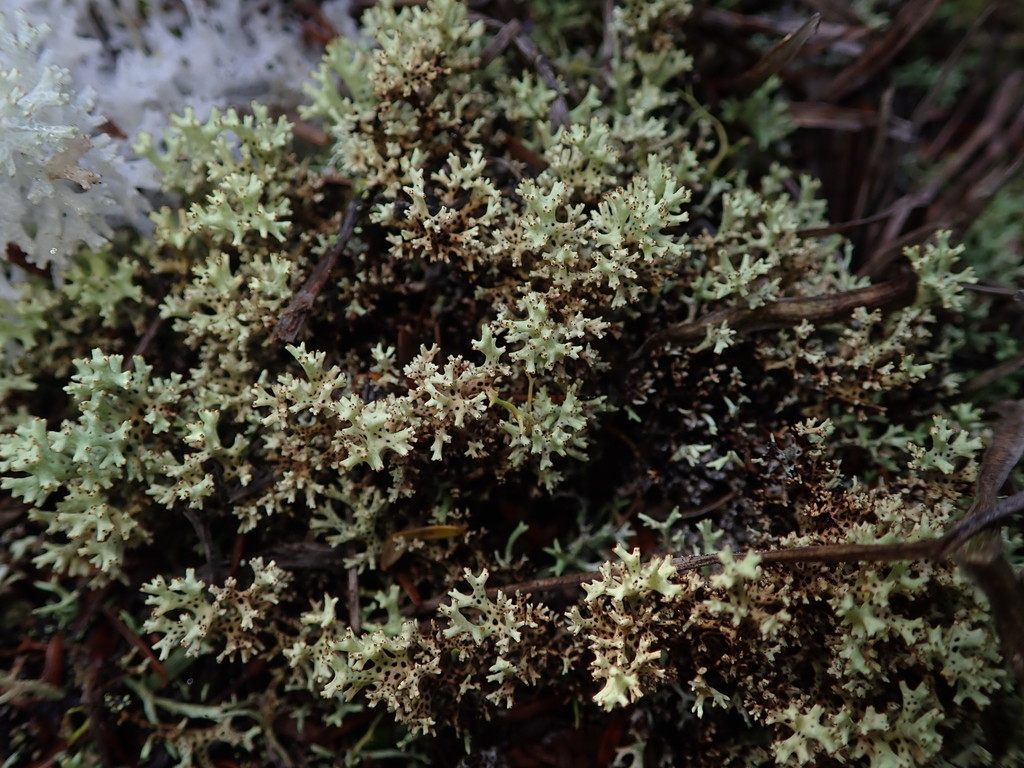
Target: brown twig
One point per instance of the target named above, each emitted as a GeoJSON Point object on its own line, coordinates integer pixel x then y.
{"type": "Point", "coordinates": [837, 9]}
{"type": "Point", "coordinates": [905, 25]}
{"type": "Point", "coordinates": [924, 107]}
{"type": "Point", "coordinates": [977, 547]}
{"type": "Point", "coordinates": [1001, 457]}
{"type": "Point", "coordinates": [786, 313]}
{"type": "Point", "coordinates": [776, 59]}
{"type": "Point", "coordinates": [820, 114]}
{"type": "Point", "coordinates": [711, 506]}
{"type": "Point", "coordinates": [213, 560]}
{"type": "Point", "coordinates": [840, 38]}
{"type": "Point", "coordinates": [890, 243]}
{"type": "Point", "coordinates": [147, 338]}
{"type": "Point", "coordinates": [133, 639]}
{"type": "Point", "coordinates": [512, 33]}
{"type": "Point", "coordinates": [875, 165]}
{"type": "Point", "coordinates": [954, 125]}
{"type": "Point", "coordinates": [843, 226]}
{"type": "Point", "coordinates": [499, 43]}
{"type": "Point", "coordinates": [551, 584]}
{"type": "Point", "coordinates": [305, 555]}
{"type": "Point", "coordinates": [826, 553]}
{"type": "Point", "coordinates": [355, 620]}
{"type": "Point", "coordinates": [1017, 294]}
{"type": "Point", "coordinates": [295, 313]}
{"type": "Point", "coordinates": [979, 520]}
{"type": "Point", "coordinates": [928, 549]}
{"type": "Point", "coordinates": [606, 53]}
{"type": "Point", "coordinates": [994, 373]}
{"type": "Point", "coordinates": [985, 177]}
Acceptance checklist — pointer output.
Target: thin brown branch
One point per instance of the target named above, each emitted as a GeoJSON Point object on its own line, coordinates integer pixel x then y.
{"type": "Point", "coordinates": [1004, 104]}
{"type": "Point", "coordinates": [905, 26]}
{"type": "Point", "coordinates": [355, 619]}
{"type": "Point", "coordinates": [955, 123]}
{"type": "Point", "coordinates": [144, 342]}
{"type": "Point", "coordinates": [202, 528]}
{"type": "Point", "coordinates": [786, 313]}
{"type": "Point", "coordinates": [1017, 294]}
{"type": "Point", "coordinates": [979, 547]}
{"type": "Point", "coordinates": [827, 553]}
{"type": "Point", "coordinates": [294, 315]}
{"type": "Point", "coordinates": [924, 107]}
{"type": "Point", "coordinates": [975, 523]}
{"type": "Point", "coordinates": [1005, 592]}
{"type": "Point", "coordinates": [558, 112]}
{"type": "Point", "coordinates": [138, 643]}
{"type": "Point", "coordinates": [986, 563]}
{"type": "Point", "coordinates": [840, 38]}
{"type": "Point", "coordinates": [995, 373]}
{"type": "Point", "coordinates": [777, 58]}
{"type": "Point", "coordinates": [608, 42]}
{"type": "Point", "coordinates": [928, 549]}
{"type": "Point", "coordinates": [1002, 455]}
{"type": "Point", "coordinates": [837, 9]}
{"type": "Point", "coordinates": [306, 555]}
{"type": "Point", "coordinates": [711, 506]}
{"type": "Point", "coordinates": [821, 114]}
{"type": "Point", "coordinates": [842, 226]}
{"type": "Point", "coordinates": [983, 177]}
{"type": "Point", "coordinates": [499, 43]}
{"type": "Point", "coordinates": [875, 168]}
{"type": "Point", "coordinates": [512, 33]}
{"type": "Point", "coordinates": [536, 586]}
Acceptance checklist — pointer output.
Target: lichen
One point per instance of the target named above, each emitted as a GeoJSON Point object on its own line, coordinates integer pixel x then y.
{"type": "Point", "coordinates": [574, 314]}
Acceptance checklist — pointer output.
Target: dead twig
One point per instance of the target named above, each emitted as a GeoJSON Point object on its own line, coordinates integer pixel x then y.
{"type": "Point", "coordinates": [875, 166]}
{"type": "Point", "coordinates": [1001, 457]}
{"type": "Point", "coordinates": [923, 109]}
{"type": "Point", "coordinates": [355, 620]}
{"type": "Point", "coordinates": [976, 546]}
{"type": "Point", "coordinates": [985, 176]}
{"type": "Point", "coordinates": [994, 373]}
{"type": "Point", "coordinates": [305, 555]}
{"type": "Point", "coordinates": [144, 342]}
{"type": "Point", "coordinates": [929, 549]}
{"type": "Point", "coordinates": [295, 313]}
{"type": "Point", "coordinates": [512, 33]}
{"type": "Point", "coordinates": [1004, 104]}
{"type": "Point", "coordinates": [905, 26]}
{"type": "Point", "coordinates": [776, 59]}
{"type": "Point", "coordinates": [979, 547]}
{"type": "Point", "coordinates": [837, 9]}
{"type": "Point", "coordinates": [815, 114]}
{"type": "Point", "coordinates": [843, 226]}
{"type": "Point", "coordinates": [786, 313]}
{"type": "Point", "coordinates": [134, 640]}
{"type": "Point", "coordinates": [840, 38]}
{"type": "Point", "coordinates": [215, 572]}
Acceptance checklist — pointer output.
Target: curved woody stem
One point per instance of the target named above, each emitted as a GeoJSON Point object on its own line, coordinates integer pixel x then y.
{"type": "Point", "coordinates": [972, 540]}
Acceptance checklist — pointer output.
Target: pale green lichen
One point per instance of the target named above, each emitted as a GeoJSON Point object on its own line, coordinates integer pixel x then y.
{"type": "Point", "coordinates": [188, 613]}
{"type": "Point", "coordinates": [948, 447]}
{"type": "Point", "coordinates": [490, 365]}
{"type": "Point", "coordinates": [492, 618]}
{"type": "Point", "coordinates": [233, 161]}
{"type": "Point", "coordinates": [626, 654]}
